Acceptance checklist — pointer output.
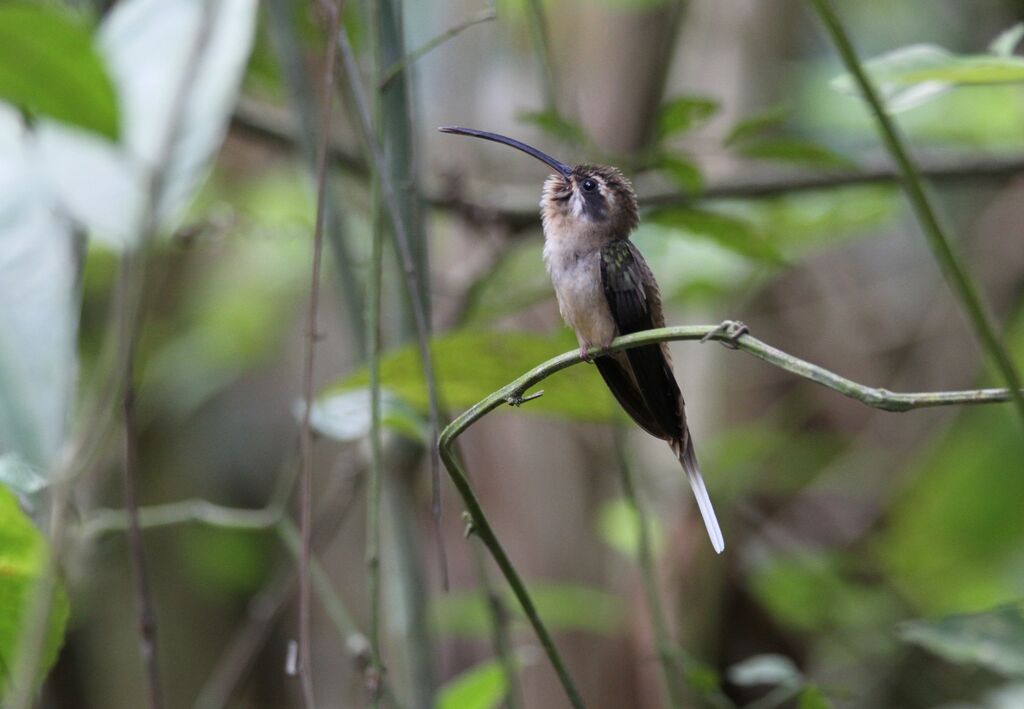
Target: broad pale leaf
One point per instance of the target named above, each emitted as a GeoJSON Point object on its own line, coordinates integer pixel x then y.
{"type": "Point", "coordinates": [38, 314]}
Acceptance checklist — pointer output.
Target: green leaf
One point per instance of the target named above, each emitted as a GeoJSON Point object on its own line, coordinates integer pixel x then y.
{"type": "Point", "coordinates": [684, 114]}
{"type": "Point", "coordinates": [910, 76]}
{"type": "Point", "coordinates": [812, 698]}
{"type": "Point", "coordinates": [618, 525]}
{"type": "Point", "coordinates": [561, 607]}
{"type": "Point", "coordinates": [735, 234]}
{"type": "Point", "coordinates": [683, 171]}
{"type": "Point", "coordinates": [1006, 43]}
{"type": "Point", "coordinates": [470, 364]}
{"type": "Point", "coordinates": [757, 122]}
{"type": "Point", "coordinates": [23, 553]}
{"type": "Point", "coordinates": [517, 281]}
{"type": "Point", "coordinates": [223, 562]}
{"type": "Point", "coordinates": [992, 639]}
{"type": "Point", "coordinates": [482, 686]}
{"type": "Point", "coordinates": [556, 125]}
{"type": "Point", "coordinates": [49, 67]}
{"type": "Point", "coordinates": [794, 150]}
{"type": "Point", "coordinates": [767, 669]}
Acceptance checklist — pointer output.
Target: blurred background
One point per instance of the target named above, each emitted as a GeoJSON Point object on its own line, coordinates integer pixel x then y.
{"type": "Point", "coordinates": [873, 559]}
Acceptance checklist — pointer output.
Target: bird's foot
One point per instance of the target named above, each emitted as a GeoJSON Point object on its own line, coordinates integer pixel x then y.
{"type": "Point", "coordinates": [728, 333]}
{"type": "Point", "coordinates": [585, 355]}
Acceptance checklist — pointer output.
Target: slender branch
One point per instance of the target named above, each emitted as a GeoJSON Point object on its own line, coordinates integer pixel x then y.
{"type": "Point", "coordinates": [514, 392]}
{"type": "Point", "coordinates": [146, 615]}
{"type": "Point", "coordinates": [333, 20]}
{"type": "Point", "coordinates": [432, 44]}
{"type": "Point", "coordinates": [261, 122]}
{"type": "Point", "coordinates": [107, 521]}
{"type": "Point", "coordinates": [649, 578]}
{"type": "Point", "coordinates": [934, 230]}
{"type": "Point", "coordinates": [375, 471]}
{"type": "Point", "coordinates": [284, 39]}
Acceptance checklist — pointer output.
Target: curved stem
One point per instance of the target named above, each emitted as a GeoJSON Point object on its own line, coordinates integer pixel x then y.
{"type": "Point", "coordinates": [513, 394]}
{"type": "Point", "coordinates": [938, 239]}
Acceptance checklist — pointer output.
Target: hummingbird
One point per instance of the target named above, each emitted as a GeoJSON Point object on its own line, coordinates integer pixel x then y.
{"type": "Point", "coordinates": [605, 289]}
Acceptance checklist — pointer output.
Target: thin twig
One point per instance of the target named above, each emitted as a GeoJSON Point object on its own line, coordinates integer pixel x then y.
{"type": "Point", "coordinates": [146, 615]}
{"type": "Point", "coordinates": [649, 578]}
{"type": "Point", "coordinates": [432, 44]}
{"type": "Point", "coordinates": [934, 230]}
{"type": "Point", "coordinates": [403, 243]}
{"type": "Point", "coordinates": [262, 122]}
{"type": "Point", "coordinates": [375, 471]}
{"type": "Point", "coordinates": [333, 20]}
{"type": "Point", "coordinates": [871, 396]}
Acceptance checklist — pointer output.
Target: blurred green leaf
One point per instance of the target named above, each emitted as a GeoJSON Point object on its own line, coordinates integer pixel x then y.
{"type": "Point", "coordinates": [561, 606]}
{"type": "Point", "coordinates": [812, 698]}
{"type": "Point", "coordinates": [345, 416]}
{"type": "Point", "coordinates": [49, 67]}
{"type": "Point", "coordinates": [618, 525]}
{"type": "Point", "coordinates": [733, 233]}
{"type": "Point", "coordinates": [793, 150]}
{"type": "Point", "coordinates": [23, 553]}
{"type": "Point", "coordinates": [811, 593]}
{"type": "Point", "coordinates": [756, 123]}
{"type": "Point", "coordinates": [910, 76]}
{"type": "Point", "coordinates": [224, 561]}
{"type": "Point", "coordinates": [992, 639]}
{"type": "Point", "coordinates": [556, 125]}
{"type": "Point", "coordinates": [683, 114]}
{"type": "Point", "coordinates": [954, 537]}
{"type": "Point", "coordinates": [472, 364]}
{"type": "Point", "coordinates": [517, 281]}
{"type": "Point", "coordinates": [1006, 43]}
{"type": "Point", "coordinates": [768, 669]}
{"type": "Point", "coordinates": [683, 171]}
{"type": "Point", "coordinates": [482, 686]}
{"type": "Point", "coordinates": [701, 677]}
{"type": "Point", "coordinates": [19, 476]}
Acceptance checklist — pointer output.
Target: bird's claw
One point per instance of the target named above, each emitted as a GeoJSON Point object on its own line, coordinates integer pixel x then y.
{"type": "Point", "coordinates": [728, 333]}
{"type": "Point", "coordinates": [585, 355]}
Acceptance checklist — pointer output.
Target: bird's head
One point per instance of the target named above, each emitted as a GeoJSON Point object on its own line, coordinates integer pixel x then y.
{"type": "Point", "coordinates": [596, 196]}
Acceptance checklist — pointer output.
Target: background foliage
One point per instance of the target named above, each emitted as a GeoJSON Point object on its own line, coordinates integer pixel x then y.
{"type": "Point", "coordinates": [157, 195]}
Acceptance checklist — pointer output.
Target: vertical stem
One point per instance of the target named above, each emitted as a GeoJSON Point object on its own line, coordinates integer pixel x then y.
{"type": "Point", "coordinates": [333, 14]}
{"type": "Point", "coordinates": [542, 48]}
{"type": "Point", "coordinates": [132, 268]}
{"type": "Point", "coordinates": [499, 629]}
{"type": "Point", "coordinates": [281, 23]}
{"type": "Point", "coordinates": [373, 488]}
{"type": "Point", "coordinates": [482, 529]}
{"type": "Point", "coordinates": [649, 577]}
{"type": "Point", "coordinates": [939, 241]}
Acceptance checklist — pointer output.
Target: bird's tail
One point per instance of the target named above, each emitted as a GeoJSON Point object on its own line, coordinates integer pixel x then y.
{"type": "Point", "coordinates": [684, 450]}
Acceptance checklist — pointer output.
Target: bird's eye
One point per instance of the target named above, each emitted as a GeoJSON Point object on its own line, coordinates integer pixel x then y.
{"type": "Point", "coordinates": [589, 185]}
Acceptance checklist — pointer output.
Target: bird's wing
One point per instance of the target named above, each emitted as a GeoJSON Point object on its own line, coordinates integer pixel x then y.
{"type": "Point", "coordinates": [632, 298]}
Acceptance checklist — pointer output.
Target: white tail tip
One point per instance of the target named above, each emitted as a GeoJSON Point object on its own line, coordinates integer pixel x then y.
{"type": "Point", "coordinates": [703, 500]}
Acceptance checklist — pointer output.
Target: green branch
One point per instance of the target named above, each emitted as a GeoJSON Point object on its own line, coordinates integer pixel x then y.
{"type": "Point", "coordinates": [514, 393]}
{"type": "Point", "coordinates": [938, 239]}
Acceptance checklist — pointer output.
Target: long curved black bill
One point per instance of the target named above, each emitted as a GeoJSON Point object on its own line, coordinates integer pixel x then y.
{"type": "Point", "coordinates": [561, 167]}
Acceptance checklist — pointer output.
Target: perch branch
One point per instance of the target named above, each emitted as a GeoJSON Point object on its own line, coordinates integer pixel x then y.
{"type": "Point", "coordinates": [871, 396]}
{"type": "Point", "coordinates": [927, 215]}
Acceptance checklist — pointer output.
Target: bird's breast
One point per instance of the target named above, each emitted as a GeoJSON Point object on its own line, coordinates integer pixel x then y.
{"type": "Point", "coordinates": [575, 272]}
